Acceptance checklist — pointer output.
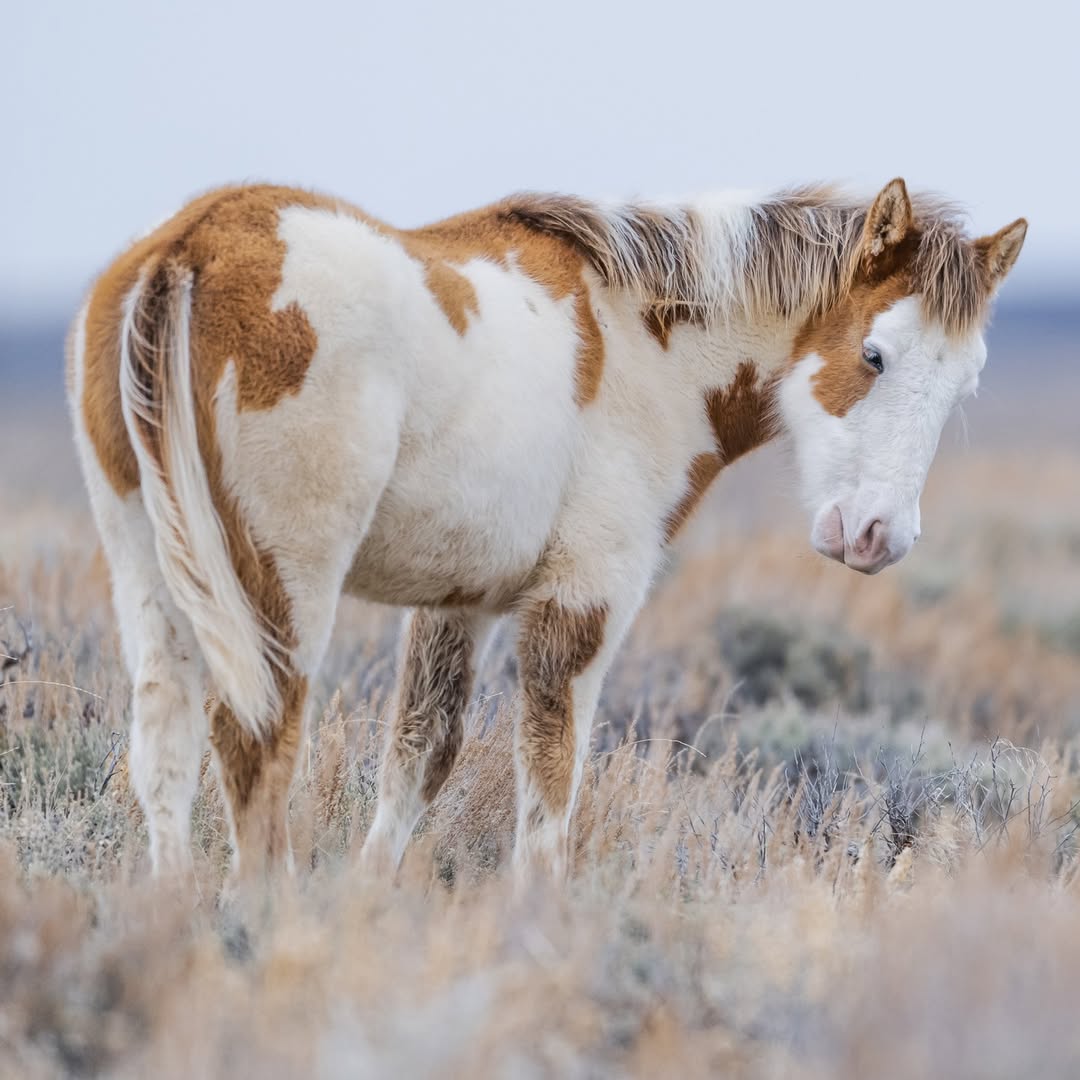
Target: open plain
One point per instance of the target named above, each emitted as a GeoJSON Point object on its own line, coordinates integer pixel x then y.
{"type": "Point", "coordinates": [830, 827]}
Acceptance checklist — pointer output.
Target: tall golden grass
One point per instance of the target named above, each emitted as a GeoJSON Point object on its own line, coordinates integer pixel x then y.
{"type": "Point", "coordinates": [830, 828]}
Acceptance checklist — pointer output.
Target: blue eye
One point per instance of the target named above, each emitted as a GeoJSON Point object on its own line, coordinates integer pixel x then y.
{"type": "Point", "coordinates": [873, 358]}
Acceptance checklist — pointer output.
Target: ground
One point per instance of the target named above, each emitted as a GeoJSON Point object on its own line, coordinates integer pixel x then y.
{"type": "Point", "coordinates": [830, 827]}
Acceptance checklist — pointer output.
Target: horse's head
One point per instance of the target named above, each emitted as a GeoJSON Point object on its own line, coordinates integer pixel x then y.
{"type": "Point", "coordinates": [874, 378]}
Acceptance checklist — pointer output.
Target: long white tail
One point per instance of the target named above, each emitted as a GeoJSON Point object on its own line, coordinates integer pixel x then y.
{"type": "Point", "coordinates": [158, 403]}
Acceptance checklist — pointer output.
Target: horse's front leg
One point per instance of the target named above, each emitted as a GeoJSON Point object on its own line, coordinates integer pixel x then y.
{"type": "Point", "coordinates": [570, 632]}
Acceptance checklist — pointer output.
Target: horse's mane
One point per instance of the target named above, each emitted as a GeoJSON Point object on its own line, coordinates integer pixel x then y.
{"type": "Point", "coordinates": [796, 253]}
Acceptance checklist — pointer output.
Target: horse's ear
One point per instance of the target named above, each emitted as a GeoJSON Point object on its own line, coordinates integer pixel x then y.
{"type": "Point", "coordinates": [999, 252]}
{"type": "Point", "coordinates": [887, 223]}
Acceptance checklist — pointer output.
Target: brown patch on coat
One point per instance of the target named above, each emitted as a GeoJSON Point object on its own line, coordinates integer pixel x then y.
{"type": "Point", "coordinates": [453, 292]}
{"type": "Point", "coordinates": [256, 776]}
{"type": "Point", "coordinates": [236, 257]}
{"type": "Point", "coordinates": [590, 352]}
{"type": "Point", "coordinates": [741, 414]}
{"type": "Point", "coordinates": [838, 336]}
{"type": "Point", "coordinates": [658, 326]}
{"type": "Point", "coordinates": [660, 320]}
{"type": "Point", "coordinates": [703, 470]}
{"type": "Point", "coordinates": [433, 692]}
{"type": "Point", "coordinates": [459, 597]}
{"type": "Point", "coordinates": [497, 236]}
{"type": "Point", "coordinates": [100, 402]}
{"type": "Point", "coordinates": [228, 241]}
{"type": "Point", "coordinates": [556, 646]}
{"type": "Point", "coordinates": [742, 418]}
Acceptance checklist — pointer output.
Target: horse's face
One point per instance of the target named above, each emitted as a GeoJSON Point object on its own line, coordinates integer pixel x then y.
{"type": "Point", "coordinates": [868, 394]}
{"type": "Point", "coordinates": [866, 421]}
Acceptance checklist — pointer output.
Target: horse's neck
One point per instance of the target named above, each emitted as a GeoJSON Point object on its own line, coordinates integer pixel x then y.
{"type": "Point", "coordinates": [711, 358]}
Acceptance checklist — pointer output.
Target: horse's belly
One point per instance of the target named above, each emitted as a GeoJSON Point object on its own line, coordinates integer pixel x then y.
{"type": "Point", "coordinates": [413, 561]}
{"type": "Point", "coordinates": [457, 535]}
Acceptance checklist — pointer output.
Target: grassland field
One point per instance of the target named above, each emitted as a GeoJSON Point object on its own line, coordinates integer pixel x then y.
{"type": "Point", "coordinates": [830, 826]}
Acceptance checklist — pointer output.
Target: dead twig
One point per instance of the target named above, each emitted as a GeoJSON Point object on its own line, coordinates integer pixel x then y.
{"type": "Point", "coordinates": [9, 658]}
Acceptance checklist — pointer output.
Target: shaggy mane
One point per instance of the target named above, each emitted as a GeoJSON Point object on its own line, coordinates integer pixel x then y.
{"type": "Point", "coordinates": [797, 253]}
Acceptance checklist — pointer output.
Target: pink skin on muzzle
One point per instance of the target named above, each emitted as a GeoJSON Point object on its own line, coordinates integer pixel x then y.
{"type": "Point", "coordinates": [868, 552]}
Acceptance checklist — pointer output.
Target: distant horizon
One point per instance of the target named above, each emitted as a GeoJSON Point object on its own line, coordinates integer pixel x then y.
{"type": "Point", "coordinates": [1021, 303]}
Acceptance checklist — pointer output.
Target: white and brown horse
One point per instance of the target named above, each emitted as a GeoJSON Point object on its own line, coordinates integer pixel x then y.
{"type": "Point", "coordinates": [277, 399]}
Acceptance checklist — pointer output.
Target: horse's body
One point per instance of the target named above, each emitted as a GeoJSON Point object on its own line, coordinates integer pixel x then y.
{"type": "Point", "coordinates": [278, 399]}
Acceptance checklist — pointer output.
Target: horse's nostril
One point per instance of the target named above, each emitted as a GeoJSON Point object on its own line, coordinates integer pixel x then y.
{"type": "Point", "coordinates": [870, 537]}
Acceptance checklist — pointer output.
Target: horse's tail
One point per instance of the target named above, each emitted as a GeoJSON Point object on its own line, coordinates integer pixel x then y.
{"type": "Point", "coordinates": [158, 401]}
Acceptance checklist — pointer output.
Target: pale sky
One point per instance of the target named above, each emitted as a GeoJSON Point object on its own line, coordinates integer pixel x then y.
{"type": "Point", "coordinates": [117, 111]}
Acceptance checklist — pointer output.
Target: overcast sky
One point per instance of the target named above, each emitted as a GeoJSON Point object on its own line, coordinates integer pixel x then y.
{"type": "Point", "coordinates": [116, 111]}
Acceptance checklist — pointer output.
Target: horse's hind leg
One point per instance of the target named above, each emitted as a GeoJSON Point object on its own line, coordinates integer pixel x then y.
{"type": "Point", "coordinates": [168, 730]}
{"type": "Point", "coordinates": [256, 776]}
{"type": "Point", "coordinates": [442, 651]}
{"type": "Point", "coordinates": [256, 773]}
{"type": "Point", "coordinates": [168, 733]}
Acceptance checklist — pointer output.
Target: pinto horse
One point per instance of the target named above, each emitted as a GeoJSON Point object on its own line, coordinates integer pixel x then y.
{"type": "Point", "coordinates": [278, 399]}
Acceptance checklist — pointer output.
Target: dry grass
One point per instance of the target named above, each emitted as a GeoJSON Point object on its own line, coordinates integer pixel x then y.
{"type": "Point", "coordinates": [830, 829]}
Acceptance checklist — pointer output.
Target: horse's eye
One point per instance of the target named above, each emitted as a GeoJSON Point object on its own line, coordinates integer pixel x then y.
{"type": "Point", "coordinates": [873, 358]}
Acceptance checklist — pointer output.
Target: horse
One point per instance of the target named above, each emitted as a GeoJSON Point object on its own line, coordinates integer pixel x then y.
{"type": "Point", "coordinates": [278, 399]}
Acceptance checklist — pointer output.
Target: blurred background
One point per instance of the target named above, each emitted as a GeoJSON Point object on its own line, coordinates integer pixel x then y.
{"type": "Point", "coordinates": [116, 113]}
